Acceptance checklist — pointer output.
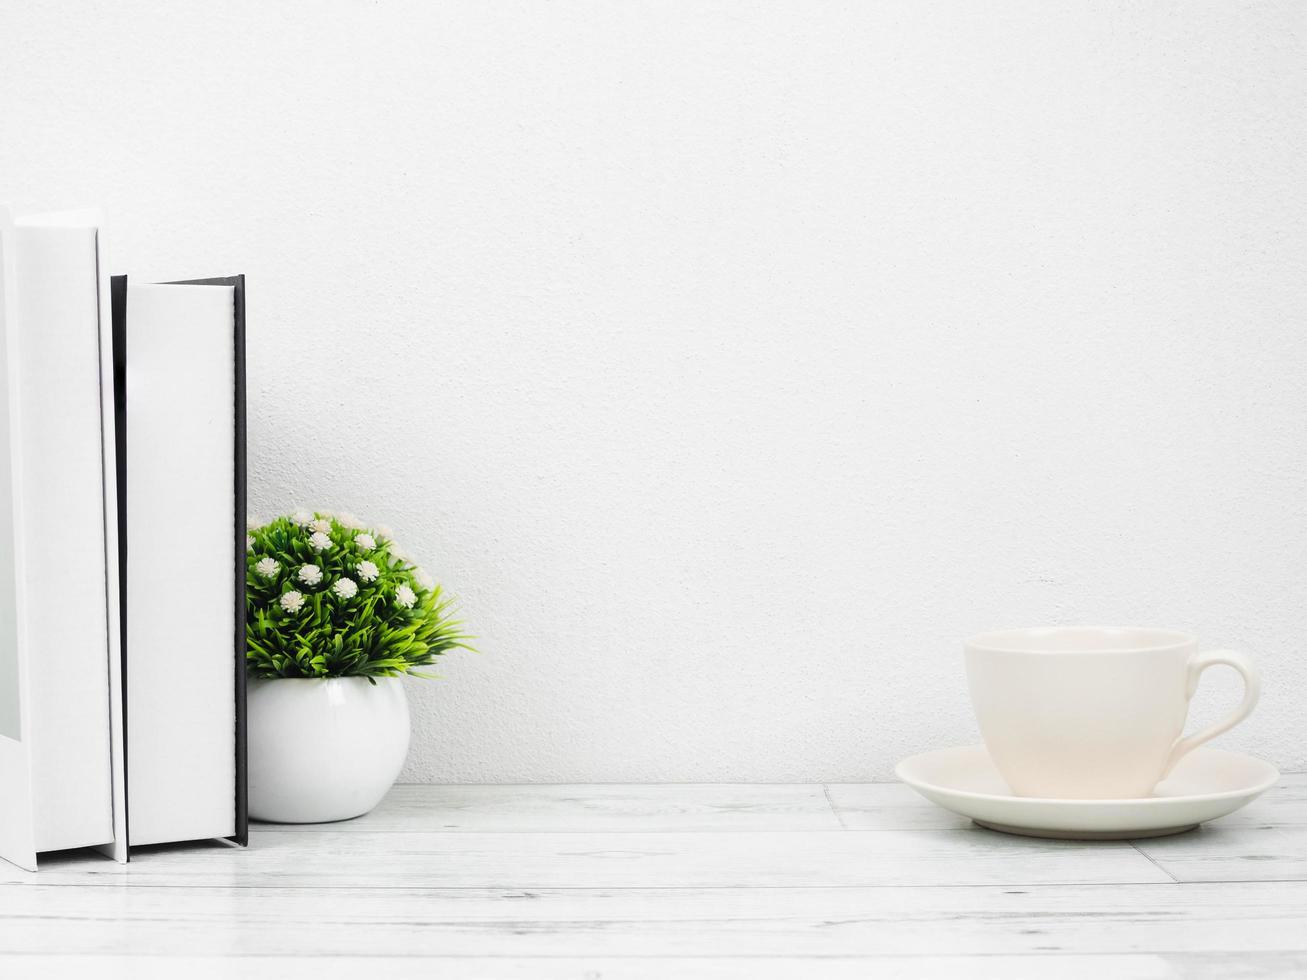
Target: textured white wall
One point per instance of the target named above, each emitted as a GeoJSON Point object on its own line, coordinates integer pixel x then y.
{"type": "Point", "coordinates": [733, 361]}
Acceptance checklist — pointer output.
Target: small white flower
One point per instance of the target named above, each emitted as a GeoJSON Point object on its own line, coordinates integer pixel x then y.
{"type": "Point", "coordinates": [405, 596]}
{"type": "Point", "coordinates": [384, 531]}
{"type": "Point", "coordinates": [321, 525]}
{"type": "Point", "coordinates": [310, 574]}
{"type": "Point", "coordinates": [424, 579]}
{"type": "Point", "coordinates": [253, 523]}
{"type": "Point", "coordinates": [349, 521]}
{"type": "Point", "coordinates": [268, 567]}
{"type": "Point", "coordinates": [301, 517]}
{"type": "Point", "coordinates": [346, 588]}
{"type": "Point", "coordinates": [291, 601]}
{"type": "Point", "coordinates": [319, 541]}
{"type": "Point", "coordinates": [249, 543]}
{"type": "Point", "coordinates": [398, 553]}
{"type": "Point", "coordinates": [368, 572]}
{"type": "Point", "coordinates": [365, 541]}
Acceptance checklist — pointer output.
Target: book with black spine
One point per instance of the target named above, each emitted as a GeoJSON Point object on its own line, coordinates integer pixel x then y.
{"type": "Point", "coordinates": [180, 355]}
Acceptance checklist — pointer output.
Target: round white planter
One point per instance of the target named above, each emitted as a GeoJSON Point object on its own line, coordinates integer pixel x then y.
{"type": "Point", "coordinates": [324, 749]}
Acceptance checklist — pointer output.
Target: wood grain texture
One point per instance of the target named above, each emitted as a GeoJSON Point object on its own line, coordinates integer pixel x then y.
{"type": "Point", "coordinates": [1126, 967]}
{"type": "Point", "coordinates": [586, 809]}
{"type": "Point", "coordinates": [1232, 853]}
{"type": "Point", "coordinates": [416, 922]}
{"type": "Point", "coordinates": [888, 806]}
{"type": "Point", "coordinates": [687, 881]}
{"type": "Point", "coordinates": [1290, 965]}
{"type": "Point", "coordinates": [622, 860]}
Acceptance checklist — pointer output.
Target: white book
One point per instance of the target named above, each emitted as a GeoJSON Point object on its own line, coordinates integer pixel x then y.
{"type": "Point", "coordinates": [182, 347]}
{"type": "Point", "coordinates": [61, 750]}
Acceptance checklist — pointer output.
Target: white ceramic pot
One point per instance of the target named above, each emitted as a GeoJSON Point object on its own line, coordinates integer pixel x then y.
{"type": "Point", "coordinates": [324, 749]}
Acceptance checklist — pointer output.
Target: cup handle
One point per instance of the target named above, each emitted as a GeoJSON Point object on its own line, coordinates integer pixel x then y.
{"type": "Point", "coordinates": [1252, 688]}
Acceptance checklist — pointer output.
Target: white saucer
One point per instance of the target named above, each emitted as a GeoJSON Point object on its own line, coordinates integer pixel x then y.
{"type": "Point", "coordinates": [1207, 783]}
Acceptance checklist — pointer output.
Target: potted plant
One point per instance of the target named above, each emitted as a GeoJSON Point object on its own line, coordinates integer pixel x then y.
{"type": "Point", "coordinates": [336, 614]}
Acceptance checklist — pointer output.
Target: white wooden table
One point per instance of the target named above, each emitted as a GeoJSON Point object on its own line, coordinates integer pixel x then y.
{"type": "Point", "coordinates": [654, 882]}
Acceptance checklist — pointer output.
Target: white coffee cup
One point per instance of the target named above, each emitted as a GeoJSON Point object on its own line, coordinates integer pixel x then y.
{"type": "Point", "coordinates": [1091, 712]}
